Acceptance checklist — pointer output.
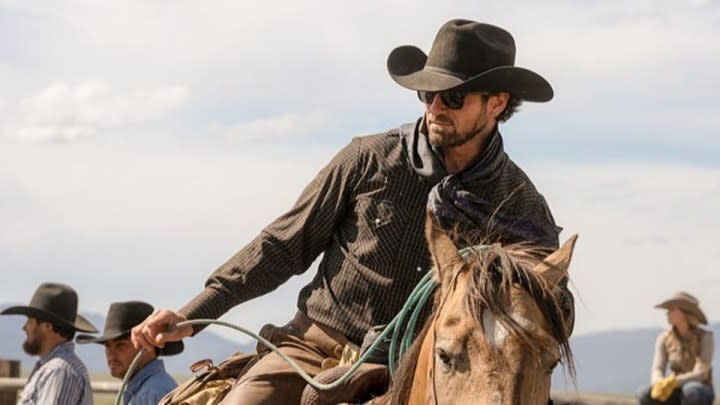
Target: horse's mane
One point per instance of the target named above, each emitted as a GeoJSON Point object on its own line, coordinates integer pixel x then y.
{"type": "Point", "coordinates": [495, 270]}
{"type": "Point", "coordinates": [492, 287]}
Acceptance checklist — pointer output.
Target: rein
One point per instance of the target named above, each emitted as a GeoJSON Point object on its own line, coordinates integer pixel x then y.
{"type": "Point", "coordinates": [412, 308]}
{"type": "Point", "coordinates": [398, 344]}
{"type": "Point", "coordinates": [548, 341]}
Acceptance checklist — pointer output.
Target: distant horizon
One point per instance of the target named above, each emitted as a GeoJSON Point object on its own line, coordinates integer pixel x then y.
{"type": "Point", "coordinates": [235, 336]}
{"type": "Point", "coordinates": [607, 362]}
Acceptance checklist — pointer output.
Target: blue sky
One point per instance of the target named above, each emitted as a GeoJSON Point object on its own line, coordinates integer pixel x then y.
{"type": "Point", "coordinates": [143, 142]}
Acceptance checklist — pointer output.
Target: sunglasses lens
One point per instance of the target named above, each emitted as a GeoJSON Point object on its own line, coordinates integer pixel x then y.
{"type": "Point", "coordinates": [452, 99]}
{"type": "Point", "coordinates": [426, 97]}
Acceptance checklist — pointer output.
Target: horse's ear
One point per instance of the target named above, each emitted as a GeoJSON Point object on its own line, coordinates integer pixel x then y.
{"type": "Point", "coordinates": [444, 253]}
{"type": "Point", "coordinates": [554, 267]}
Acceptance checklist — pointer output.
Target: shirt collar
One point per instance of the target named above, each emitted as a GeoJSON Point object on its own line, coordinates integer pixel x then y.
{"type": "Point", "coordinates": [65, 347]}
{"type": "Point", "coordinates": [153, 367]}
{"type": "Point", "coordinates": [427, 161]}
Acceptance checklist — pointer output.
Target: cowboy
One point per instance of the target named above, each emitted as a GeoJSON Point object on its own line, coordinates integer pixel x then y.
{"type": "Point", "coordinates": [686, 349]}
{"type": "Point", "coordinates": [364, 212]}
{"type": "Point", "coordinates": [59, 377]}
{"type": "Point", "coordinates": [149, 382]}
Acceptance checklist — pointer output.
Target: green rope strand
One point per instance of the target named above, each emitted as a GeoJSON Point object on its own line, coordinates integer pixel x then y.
{"type": "Point", "coordinates": [413, 308]}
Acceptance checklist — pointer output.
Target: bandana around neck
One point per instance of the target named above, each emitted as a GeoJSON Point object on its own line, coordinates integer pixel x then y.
{"type": "Point", "coordinates": [448, 200]}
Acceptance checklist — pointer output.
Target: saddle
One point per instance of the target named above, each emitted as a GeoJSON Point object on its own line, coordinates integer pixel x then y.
{"type": "Point", "coordinates": [369, 381]}
{"type": "Point", "coordinates": [212, 384]}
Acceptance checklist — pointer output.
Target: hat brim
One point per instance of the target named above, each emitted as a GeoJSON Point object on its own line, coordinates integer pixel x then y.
{"type": "Point", "coordinates": [80, 324]}
{"type": "Point", "coordinates": [686, 307]}
{"type": "Point", "coordinates": [170, 349]}
{"type": "Point", "coordinates": [406, 66]}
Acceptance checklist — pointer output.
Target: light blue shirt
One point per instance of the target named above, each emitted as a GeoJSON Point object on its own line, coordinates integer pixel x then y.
{"type": "Point", "coordinates": [149, 384]}
{"type": "Point", "coordinates": [60, 378]}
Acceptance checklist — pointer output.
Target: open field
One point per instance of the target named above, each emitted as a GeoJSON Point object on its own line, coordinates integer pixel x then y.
{"type": "Point", "coordinates": [558, 398]}
{"type": "Point", "coordinates": [103, 399]}
{"type": "Point", "coordinates": [566, 398]}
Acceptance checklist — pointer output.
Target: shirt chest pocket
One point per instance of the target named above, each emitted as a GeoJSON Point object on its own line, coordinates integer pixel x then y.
{"type": "Point", "coordinates": [382, 214]}
{"type": "Point", "coordinates": [380, 227]}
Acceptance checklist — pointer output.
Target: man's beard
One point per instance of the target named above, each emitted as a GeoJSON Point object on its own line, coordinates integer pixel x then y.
{"type": "Point", "coordinates": [117, 373]}
{"type": "Point", "coordinates": [449, 139]}
{"type": "Point", "coordinates": [441, 140]}
{"type": "Point", "coordinates": [31, 345]}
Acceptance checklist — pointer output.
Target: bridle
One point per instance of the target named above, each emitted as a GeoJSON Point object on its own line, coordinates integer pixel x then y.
{"type": "Point", "coordinates": [547, 341]}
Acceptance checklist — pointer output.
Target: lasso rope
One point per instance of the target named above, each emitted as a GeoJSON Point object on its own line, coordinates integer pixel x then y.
{"type": "Point", "coordinates": [398, 344]}
{"type": "Point", "coordinates": [415, 303]}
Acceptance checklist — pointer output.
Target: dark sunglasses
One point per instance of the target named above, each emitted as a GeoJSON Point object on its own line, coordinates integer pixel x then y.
{"type": "Point", "coordinates": [453, 99]}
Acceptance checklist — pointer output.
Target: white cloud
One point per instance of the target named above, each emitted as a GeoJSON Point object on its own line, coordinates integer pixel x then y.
{"type": "Point", "coordinates": [161, 196]}
{"type": "Point", "coordinates": [114, 218]}
{"type": "Point", "coordinates": [620, 38]}
{"type": "Point", "coordinates": [645, 232]}
{"type": "Point", "coordinates": [294, 125]}
{"type": "Point", "coordinates": [640, 67]}
{"type": "Point", "coordinates": [126, 214]}
{"type": "Point", "coordinates": [65, 112]}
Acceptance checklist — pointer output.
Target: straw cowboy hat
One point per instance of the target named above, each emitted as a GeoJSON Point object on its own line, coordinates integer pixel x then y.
{"type": "Point", "coordinates": [687, 303]}
{"type": "Point", "coordinates": [56, 303]}
{"type": "Point", "coordinates": [470, 54]}
{"type": "Point", "coordinates": [121, 318]}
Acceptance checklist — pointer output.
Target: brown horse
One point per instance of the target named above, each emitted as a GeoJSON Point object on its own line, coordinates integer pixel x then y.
{"type": "Point", "coordinates": [497, 332]}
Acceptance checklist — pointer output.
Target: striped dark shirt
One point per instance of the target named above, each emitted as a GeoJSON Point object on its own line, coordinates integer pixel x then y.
{"type": "Point", "coordinates": [59, 377]}
{"type": "Point", "coordinates": [364, 212]}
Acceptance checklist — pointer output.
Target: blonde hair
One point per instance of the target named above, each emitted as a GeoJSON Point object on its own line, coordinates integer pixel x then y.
{"type": "Point", "coordinates": [688, 347]}
{"type": "Point", "coordinates": [692, 320]}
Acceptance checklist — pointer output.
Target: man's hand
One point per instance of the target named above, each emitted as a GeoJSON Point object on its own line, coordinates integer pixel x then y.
{"type": "Point", "coordinates": [158, 329]}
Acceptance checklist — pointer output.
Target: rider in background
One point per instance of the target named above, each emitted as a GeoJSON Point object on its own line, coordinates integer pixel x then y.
{"type": "Point", "coordinates": [59, 376]}
{"type": "Point", "coordinates": [364, 212]}
{"type": "Point", "coordinates": [687, 349]}
{"type": "Point", "coordinates": [149, 381]}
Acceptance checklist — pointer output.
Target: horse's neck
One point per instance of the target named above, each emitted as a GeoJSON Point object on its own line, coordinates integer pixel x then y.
{"type": "Point", "coordinates": [420, 393]}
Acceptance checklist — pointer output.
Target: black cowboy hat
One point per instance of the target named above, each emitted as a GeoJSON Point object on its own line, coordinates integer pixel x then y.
{"type": "Point", "coordinates": [121, 318]}
{"type": "Point", "coordinates": [55, 303]}
{"type": "Point", "coordinates": [470, 54]}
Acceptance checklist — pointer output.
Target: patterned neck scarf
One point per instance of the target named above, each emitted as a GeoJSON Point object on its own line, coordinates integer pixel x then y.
{"type": "Point", "coordinates": [448, 199]}
{"type": "Point", "coordinates": [509, 215]}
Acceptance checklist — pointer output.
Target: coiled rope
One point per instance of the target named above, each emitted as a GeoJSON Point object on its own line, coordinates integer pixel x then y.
{"type": "Point", "coordinates": [398, 344]}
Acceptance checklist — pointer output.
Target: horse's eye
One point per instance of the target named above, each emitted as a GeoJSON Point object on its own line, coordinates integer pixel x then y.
{"type": "Point", "coordinates": [548, 361]}
{"type": "Point", "coordinates": [444, 358]}
{"type": "Point", "coordinates": [552, 366]}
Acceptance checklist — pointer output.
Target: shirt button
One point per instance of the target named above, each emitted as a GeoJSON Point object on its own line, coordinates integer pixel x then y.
{"type": "Point", "coordinates": [419, 269]}
{"type": "Point", "coordinates": [377, 221]}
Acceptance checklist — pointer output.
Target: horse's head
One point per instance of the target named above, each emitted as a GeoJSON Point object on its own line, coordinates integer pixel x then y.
{"type": "Point", "coordinates": [498, 329]}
